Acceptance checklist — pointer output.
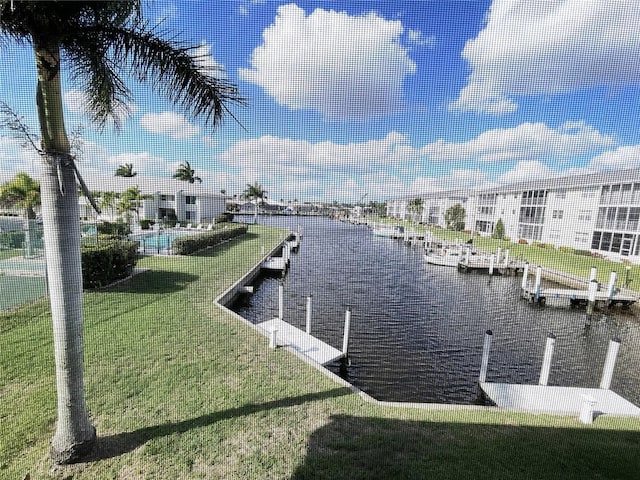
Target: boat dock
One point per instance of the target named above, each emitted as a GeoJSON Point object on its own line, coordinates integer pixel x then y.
{"type": "Point", "coordinates": [287, 335]}
{"type": "Point", "coordinates": [280, 263]}
{"type": "Point", "coordinates": [283, 334]}
{"type": "Point", "coordinates": [535, 293]}
{"type": "Point", "coordinates": [587, 403]}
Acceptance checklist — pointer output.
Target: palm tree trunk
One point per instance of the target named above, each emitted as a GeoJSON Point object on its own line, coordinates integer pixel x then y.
{"type": "Point", "coordinates": [74, 436]}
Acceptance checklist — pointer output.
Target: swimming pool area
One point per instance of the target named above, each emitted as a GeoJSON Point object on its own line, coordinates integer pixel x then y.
{"type": "Point", "coordinates": [157, 242]}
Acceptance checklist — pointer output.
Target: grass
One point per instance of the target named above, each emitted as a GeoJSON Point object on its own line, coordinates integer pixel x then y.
{"type": "Point", "coordinates": [179, 388]}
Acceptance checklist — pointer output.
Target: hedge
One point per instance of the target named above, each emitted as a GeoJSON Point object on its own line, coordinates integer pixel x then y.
{"type": "Point", "coordinates": [226, 217]}
{"type": "Point", "coordinates": [114, 228]}
{"type": "Point", "coordinates": [194, 243]}
{"type": "Point", "coordinates": [104, 263]}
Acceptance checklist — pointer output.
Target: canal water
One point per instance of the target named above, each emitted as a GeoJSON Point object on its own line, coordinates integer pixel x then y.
{"type": "Point", "coordinates": [417, 330]}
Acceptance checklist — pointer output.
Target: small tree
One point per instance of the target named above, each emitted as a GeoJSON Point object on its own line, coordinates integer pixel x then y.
{"type": "Point", "coordinates": [454, 217]}
{"type": "Point", "coordinates": [22, 192]}
{"type": "Point", "coordinates": [498, 231]}
{"type": "Point", "coordinates": [415, 209]}
{"type": "Point", "coordinates": [186, 173]}
{"type": "Point", "coordinates": [126, 170]}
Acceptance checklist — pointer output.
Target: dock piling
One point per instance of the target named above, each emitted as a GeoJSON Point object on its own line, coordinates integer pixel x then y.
{"type": "Point", "coordinates": [273, 343]}
{"type": "Point", "coordinates": [308, 329]}
{"type": "Point", "coordinates": [525, 276]}
{"type": "Point", "coordinates": [347, 328]}
{"type": "Point", "coordinates": [593, 273]}
{"type": "Point", "coordinates": [281, 301]}
{"type": "Point", "coordinates": [499, 255]}
{"type": "Point", "coordinates": [491, 261]}
{"type": "Point", "coordinates": [610, 363]}
{"type": "Point", "coordinates": [546, 361]}
{"type": "Point", "coordinates": [591, 301]}
{"type": "Point", "coordinates": [484, 365]}
{"type": "Point", "coordinates": [538, 281]}
{"type": "Point", "coordinates": [612, 285]}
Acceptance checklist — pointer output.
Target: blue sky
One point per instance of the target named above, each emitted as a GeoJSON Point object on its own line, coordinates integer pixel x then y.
{"type": "Point", "coordinates": [384, 98]}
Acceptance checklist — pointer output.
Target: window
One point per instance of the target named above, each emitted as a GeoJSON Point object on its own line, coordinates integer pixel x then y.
{"type": "Point", "coordinates": [634, 216]}
{"type": "Point", "coordinates": [615, 194]}
{"type": "Point", "coordinates": [595, 242]}
{"type": "Point", "coordinates": [189, 215]}
{"type": "Point", "coordinates": [625, 193]}
{"type": "Point", "coordinates": [558, 214]}
{"type": "Point", "coordinates": [605, 243]}
{"type": "Point", "coordinates": [604, 196]}
{"type": "Point", "coordinates": [561, 194]}
{"type": "Point", "coordinates": [190, 200]}
{"type": "Point", "coordinates": [581, 237]}
{"type": "Point", "coordinates": [584, 216]}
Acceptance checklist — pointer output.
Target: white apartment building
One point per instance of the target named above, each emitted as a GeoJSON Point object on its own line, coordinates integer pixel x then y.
{"type": "Point", "coordinates": [191, 203]}
{"type": "Point", "coordinates": [597, 212]}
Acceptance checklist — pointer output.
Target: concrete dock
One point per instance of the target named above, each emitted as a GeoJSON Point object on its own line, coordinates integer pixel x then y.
{"type": "Point", "coordinates": [289, 336]}
{"type": "Point", "coordinates": [553, 399]}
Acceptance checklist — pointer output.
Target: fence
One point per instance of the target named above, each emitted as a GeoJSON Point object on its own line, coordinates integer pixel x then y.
{"type": "Point", "coordinates": [22, 265]}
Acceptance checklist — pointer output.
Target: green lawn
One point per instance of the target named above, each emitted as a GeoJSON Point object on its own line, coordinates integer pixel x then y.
{"type": "Point", "coordinates": [179, 388]}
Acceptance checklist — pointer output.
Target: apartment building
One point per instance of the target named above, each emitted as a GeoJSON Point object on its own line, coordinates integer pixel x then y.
{"type": "Point", "coordinates": [598, 212]}
{"type": "Point", "coordinates": [190, 203]}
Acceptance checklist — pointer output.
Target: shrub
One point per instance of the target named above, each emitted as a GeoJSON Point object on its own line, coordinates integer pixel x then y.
{"type": "Point", "coordinates": [522, 241]}
{"type": "Point", "coordinates": [105, 262]}
{"type": "Point", "coordinates": [145, 224]}
{"type": "Point", "coordinates": [585, 253]}
{"type": "Point", "coordinates": [224, 217]}
{"type": "Point", "coordinates": [543, 245]}
{"type": "Point", "coordinates": [194, 243]}
{"type": "Point", "coordinates": [118, 229]}
{"type": "Point", "coordinates": [565, 249]}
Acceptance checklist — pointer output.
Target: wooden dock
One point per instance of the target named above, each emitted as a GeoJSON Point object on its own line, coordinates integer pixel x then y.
{"type": "Point", "coordinates": [576, 297]}
{"type": "Point", "coordinates": [482, 263]}
{"type": "Point", "coordinates": [560, 400]}
{"type": "Point", "coordinates": [301, 342]}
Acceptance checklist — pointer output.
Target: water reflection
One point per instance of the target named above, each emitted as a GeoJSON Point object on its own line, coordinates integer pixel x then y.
{"type": "Point", "coordinates": [417, 329]}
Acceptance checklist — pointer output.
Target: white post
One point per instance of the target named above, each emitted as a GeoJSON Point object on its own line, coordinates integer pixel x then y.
{"type": "Point", "coordinates": [538, 281]}
{"type": "Point", "coordinates": [525, 276]}
{"type": "Point", "coordinates": [546, 361]}
{"type": "Point", "coordinates": [591, 300]}
{"type": "Point", "coordinates": [309, 315]}
{"type": "Point", "coordinates": [262, 250]}
{"type": "Point", "coordinates": [499, 254]}
{"type": "Point", "coordinates": [593, 273]}
{"type": "Point", "coordinates": [467, 255]}
{"type": "Point", "coordinates": [347, 327]}
{"type": "Point", "coordinates": [281, 301]}
{"type": "Point", "coordinates": [610, 363]}
{"type": "Point", "coordinates": [491, 259]}
{"type": "Point", "coordinates": [273, 343]}
{"type": "Point", "coordinates": [506, 258]}
{"type": "Point", "coordinates": [484, 365]}
{"type": "Point", "coordinates": [586, 409]}
{"type": "Point", "coordinates": [612, 284]}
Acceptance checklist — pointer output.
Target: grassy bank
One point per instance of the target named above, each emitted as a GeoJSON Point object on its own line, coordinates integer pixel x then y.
{"type": "Point", "coordinates": [570, 263]}
{"type": "Point", "coordinates": [179, 388]}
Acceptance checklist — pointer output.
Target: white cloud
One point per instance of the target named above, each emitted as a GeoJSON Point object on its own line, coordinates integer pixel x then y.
{"type": "Point", "coordinates": [527, 170]}
{"type": "Point", "coordinates": [336, 64]}
{"type": "Point", "coordinates": [418, 38]}
{"type": "Point", "coordinates": [169, 123]}
{"type": "Point", "coordinates": [621, 158]}
{"type": "Point", "coordinates": [205, 61]}
{"type": "Point", "coordinates": [76, 101]}
{"type": "Point", "coordinates": [531, 48]}
{"type": "Point", "coordinates": [527, 141]}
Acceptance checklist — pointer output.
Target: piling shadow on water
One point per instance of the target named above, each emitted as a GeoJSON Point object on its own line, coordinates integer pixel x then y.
{"type": "Point", "coordinates": [115, 445]}
{"type": "Point", "coordinates": [373, 448]}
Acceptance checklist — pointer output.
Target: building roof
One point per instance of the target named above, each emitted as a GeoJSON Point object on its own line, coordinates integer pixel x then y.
{"type": "Point", "coordinates": [148, 185]}
{"type": "Point", "coordinates": [552, 183]}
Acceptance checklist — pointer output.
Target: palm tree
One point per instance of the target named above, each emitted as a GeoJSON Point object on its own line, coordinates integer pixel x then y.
{"type": "Point", "coordinates": [186, 173]}
{"type": "Point", "coordinates": [415, 208]}
{"type": "Point", "coordinates": [131, 201]}
{"type": "Point", "coordinates": [254, 191]}
{"type": "Point", "coordinates": [99, 41]}
{"type": "Point", "coordinates": [108, 200]}
{"type": "Point", "coordinates": [126, 170]}
{"type": "Point", "coordinates": [22, 192]}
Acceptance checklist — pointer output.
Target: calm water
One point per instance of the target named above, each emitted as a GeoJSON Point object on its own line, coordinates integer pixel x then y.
{"type": "Point", "coordinates": [417, 329]}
